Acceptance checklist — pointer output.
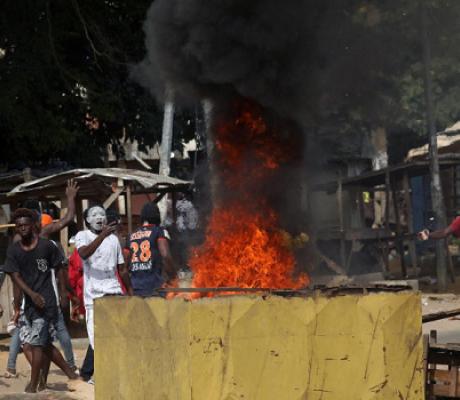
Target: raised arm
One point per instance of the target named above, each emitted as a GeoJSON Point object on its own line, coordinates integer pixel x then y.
{"type": "Point", "coordinates": [71, 194]}
{"type": "Point", "coordinates": [88, 250]}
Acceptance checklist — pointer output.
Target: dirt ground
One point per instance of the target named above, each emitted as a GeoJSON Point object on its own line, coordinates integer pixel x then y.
{"type": "Point", "coordinates": [12, 389]}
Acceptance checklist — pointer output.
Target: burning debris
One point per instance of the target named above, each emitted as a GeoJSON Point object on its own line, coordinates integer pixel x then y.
{"type": "Point", "coordinates": [244, 245]}
{"type": "Point", "coordinates": [248, 61]}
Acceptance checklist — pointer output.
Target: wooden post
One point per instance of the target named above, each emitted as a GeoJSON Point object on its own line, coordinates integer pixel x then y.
{"type": "Point", "coordinates": [129, 209]}
{"type": "Point", "coordinates": [399, 239]}
{"type": "Point", "coordinates": [64, 233]}
{"type": "Point", "coordinates": [410, 222]}
{"type": "Point", "coordinates": [386, 246]}
{"type": "Point", "coordinates": [387, 199]}
{"type": "Point", "coordinates": [79, 213]}
{"type": "Point", "coordinates": [343, 257]}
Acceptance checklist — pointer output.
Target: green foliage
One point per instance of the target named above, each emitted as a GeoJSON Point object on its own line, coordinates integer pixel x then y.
{"type": "Point", "coordinates": [65, 60]}
{"type": "Point", "coordinates": [372, 74]}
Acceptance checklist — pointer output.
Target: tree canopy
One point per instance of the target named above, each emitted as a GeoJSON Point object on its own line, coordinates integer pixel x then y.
{"type": "Point", "coordinates": [65, 66]}
{"type": "Point", "coordinates": [65, 63]}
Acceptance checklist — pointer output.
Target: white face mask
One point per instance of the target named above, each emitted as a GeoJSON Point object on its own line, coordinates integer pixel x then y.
{"type": "Point", "coordinates": [96, 218]}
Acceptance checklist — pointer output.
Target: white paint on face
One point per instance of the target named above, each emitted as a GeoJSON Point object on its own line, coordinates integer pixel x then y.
{"type": "Point", "coordinates": [96, 218]}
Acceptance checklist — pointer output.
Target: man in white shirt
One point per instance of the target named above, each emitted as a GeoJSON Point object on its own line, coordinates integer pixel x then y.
{"type": "Point", "coordinates": [102, 258]}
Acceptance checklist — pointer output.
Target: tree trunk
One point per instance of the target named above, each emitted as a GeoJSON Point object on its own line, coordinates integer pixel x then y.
{"type": "Point", "coordinates": [436, 189]}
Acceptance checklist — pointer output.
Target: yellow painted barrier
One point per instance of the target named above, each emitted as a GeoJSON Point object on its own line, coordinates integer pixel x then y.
{"type": "Point", "coordinates": [356, 347]}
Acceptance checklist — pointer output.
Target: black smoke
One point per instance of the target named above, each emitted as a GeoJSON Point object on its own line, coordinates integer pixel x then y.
{"type": "Point", "coordinates": [259, 49]}
{"type": "Point", "coordinates": [312, 61]}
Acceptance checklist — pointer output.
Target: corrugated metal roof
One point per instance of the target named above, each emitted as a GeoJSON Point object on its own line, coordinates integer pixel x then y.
{"type": "Point", "coordinates": [144, 179]}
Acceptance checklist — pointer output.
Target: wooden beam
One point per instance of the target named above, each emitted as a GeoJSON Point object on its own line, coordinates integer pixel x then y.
{"type": "Point", "coordinates": [440, 315]}
{"type": "Point", "coordinates": [399, 236]}
{"type": "Point", "coordinates": [129, 208]}
{"type": "Point", "coordinates": [109, 201]}
{"type": "Point", "coordinates": [79, 213]}
{"type": "Point", "coordinates": [64, 233]}
{"type": "Point", "coordinates": [387, 199]}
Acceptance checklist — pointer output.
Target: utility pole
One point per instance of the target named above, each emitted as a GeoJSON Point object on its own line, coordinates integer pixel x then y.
{"type": "Point", "coordinates": [436, 189]}
{"type": "Point", "coordinates": [166, 144]}
{"type": "Point", "coordinates": [167, 134]}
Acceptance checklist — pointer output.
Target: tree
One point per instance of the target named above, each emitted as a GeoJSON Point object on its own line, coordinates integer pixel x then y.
{"type": "Point", "coordinates": [64, 62]}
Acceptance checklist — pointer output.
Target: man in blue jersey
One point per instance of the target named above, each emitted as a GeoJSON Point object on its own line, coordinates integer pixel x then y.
{"type": "Point", "coordinates": [150, 254]}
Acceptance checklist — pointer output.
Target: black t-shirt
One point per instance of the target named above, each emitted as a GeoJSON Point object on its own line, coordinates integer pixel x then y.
{"type": "Point", "coordinates": [35, 266]}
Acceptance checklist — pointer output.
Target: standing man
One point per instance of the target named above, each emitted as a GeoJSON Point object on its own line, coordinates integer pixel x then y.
{"type": "Point", "coordinates": [29, 262]}
{"type": "Point", "coordinates": [149, 253]}
{"type": "Point", "coordinates": [102, 257]}
{"type": "Point", "coordinates": [46, 229]}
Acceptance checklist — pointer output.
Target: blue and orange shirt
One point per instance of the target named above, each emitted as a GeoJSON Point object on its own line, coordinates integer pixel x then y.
{"type": "Point", "coordinates": [145, 263]}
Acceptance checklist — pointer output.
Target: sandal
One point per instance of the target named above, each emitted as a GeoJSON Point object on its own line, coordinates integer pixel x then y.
{"type": "Point", "coordinates": [10, 375]}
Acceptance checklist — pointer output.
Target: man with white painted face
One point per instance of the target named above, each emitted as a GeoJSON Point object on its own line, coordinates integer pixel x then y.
{"type": "Point", "coordinates": [102, 256]}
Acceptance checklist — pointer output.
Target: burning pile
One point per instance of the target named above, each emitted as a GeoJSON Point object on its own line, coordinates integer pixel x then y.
{"type": "Point", "coordinates": [245, 246]}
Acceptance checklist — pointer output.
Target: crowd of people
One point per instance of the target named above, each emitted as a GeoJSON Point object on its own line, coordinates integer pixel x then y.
{"type": "Point", "coordinates": [101, 264]}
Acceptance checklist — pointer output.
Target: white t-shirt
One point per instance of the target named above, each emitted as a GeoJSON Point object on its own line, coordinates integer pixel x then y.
{"type": "Point", "coordinates": [99, 270]}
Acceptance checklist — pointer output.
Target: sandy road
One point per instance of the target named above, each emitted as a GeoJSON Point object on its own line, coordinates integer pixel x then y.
{"type": "Point", "coordinates": [12, 389]}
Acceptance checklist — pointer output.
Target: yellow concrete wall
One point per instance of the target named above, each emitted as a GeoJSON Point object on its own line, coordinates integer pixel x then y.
{"type": "Point", "coordinates": [252, 348]}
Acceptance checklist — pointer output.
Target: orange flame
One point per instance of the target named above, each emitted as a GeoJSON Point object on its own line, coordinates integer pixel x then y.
{"type": "Point", "coordinates": [244, 246]}
{"type": "Point", "coordinates": [244, 249]}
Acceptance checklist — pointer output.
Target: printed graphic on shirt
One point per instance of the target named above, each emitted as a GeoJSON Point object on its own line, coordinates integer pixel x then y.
{"type": "Point", "coordinates": [141, 255]}
{"type": "Point", "coordinates": [42, 264]}
{"type": "Point", "coordinates": [145, 260]}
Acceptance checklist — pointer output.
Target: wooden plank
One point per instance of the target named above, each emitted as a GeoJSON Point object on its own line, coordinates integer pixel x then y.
{"type": "Point", "coordinates": [440, 315]}
{"type": "Point", "coordinates": [440, 390]}
{"type": "Point", "coordinates": [445, 383]}
{"type": "Point", "coordinates": [453, 381]}
{"type": "Point", "coordinates": [387, 199]}
{"type": "Point", "coordinates": [109, 201]}
{"type": "Point", "coordinates": [79, 213]}
{"type": "Point", "coordinates": [64, 233]}
{"type": "Point", "coordinates": [427, 373]}
{"type": "Point", "coordinates": [129, 208]}
{"type": "Point", "coordinates": [399, 241]}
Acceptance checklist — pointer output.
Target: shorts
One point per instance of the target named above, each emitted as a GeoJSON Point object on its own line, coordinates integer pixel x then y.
{"type": "Point", "coordinates": [38, 332]}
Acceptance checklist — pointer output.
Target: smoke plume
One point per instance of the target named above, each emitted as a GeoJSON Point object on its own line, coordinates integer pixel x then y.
{"type": "Point", "coordinates": [256, 49]}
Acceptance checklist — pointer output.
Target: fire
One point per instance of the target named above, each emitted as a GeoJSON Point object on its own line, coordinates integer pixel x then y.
{"type": "Point", "coordinates": [245, 246]}
{"type": "Point", "coordinates": [244, 249]}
